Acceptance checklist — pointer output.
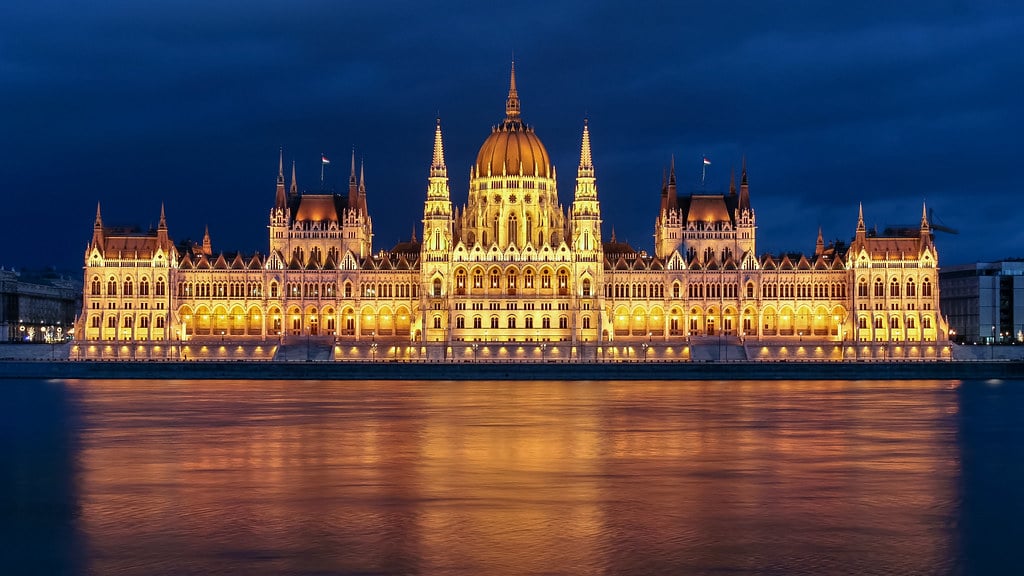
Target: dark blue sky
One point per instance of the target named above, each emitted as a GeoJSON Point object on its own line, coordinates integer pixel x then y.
{"type": "Point", "coordinates": [136, 103]}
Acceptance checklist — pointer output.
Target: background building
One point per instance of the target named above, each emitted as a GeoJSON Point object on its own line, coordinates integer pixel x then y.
{"type": "Point", "coordinates": [984, 302]}
{"type": "Point", "coordinates": [37, 306]}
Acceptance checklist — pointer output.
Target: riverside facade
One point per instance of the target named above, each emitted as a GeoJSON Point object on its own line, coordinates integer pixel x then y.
{"type": "Point", "coordinates": [510, 275]}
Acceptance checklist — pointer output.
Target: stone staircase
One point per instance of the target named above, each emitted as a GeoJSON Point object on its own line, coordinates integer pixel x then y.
{"type": "Point", "coordinates": [711, 350]}
{"type": "Point", "coordinates": [313, 350]}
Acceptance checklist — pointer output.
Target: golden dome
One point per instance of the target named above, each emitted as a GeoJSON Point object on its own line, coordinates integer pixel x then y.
{"type": "Point", "coordinates": [507, 146]}
{"type": "Point", "coordinates": [512, 143]}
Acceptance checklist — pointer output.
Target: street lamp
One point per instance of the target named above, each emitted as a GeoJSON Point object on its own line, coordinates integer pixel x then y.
{"type": "Point", "coordinates": [645, 346]}
{"type": "Point", "coordinates": [373, 352]}
{"type": "Point", "coordinates": [476, 347]}
{"type": "Point", "coordinates": [543, 351]}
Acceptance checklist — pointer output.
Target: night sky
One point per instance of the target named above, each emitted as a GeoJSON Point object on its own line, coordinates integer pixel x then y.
{"type": "Point", "coordinates": [833, 103]}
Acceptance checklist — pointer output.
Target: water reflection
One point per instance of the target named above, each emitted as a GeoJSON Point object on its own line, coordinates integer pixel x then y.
{"type": "Point", "coordinates": [518, 477]}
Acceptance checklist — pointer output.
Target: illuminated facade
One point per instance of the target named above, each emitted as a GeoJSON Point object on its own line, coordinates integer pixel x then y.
{"type": "Point", "coordinates": [514, 274]}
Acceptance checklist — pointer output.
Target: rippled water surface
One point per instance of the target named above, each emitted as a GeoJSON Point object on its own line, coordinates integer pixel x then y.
{"type": "Point", "coordinates": [200, 477]}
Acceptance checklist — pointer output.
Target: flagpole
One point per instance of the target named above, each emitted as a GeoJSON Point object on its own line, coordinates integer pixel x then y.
{"type": "Point", "coordinates": [322, 170]}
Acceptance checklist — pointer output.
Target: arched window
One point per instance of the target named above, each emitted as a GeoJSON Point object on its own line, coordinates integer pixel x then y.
{"type": "Point", "coordinates": [750, 289]}
{"type": "Point", "coordinates": [586, 322]}
{"type": "Point", "coordinates": [862, 323]}
{"type": "Point", "coordinates": [513, 230]}
{"type": "Point", "coordinates": [437, 287]}
{"type": "Point", "coordinates": [437, 322]}
{"type": "Point", "coordinates": [926, 288]}
{"type": "Point", "coordinates": [563, 322]}
{"type": "Point", "coordinates": [348, 289]}
{"type": "Point", "coordinates": [111, 287]}
{"type": "Point", "coordinates": [95, 321]}
{"type": "Point", "coordinates": [478, 279]}
{"type": "Point", "coordinates": [494, 321]}
{"type": "Point", "coordinates": [477, 322]}
{"type": "Point", "coordinates": [675, 289]}
{"type": "Point", "coordinates": [910, 323]}
{"type": "Point", "coordinates": [273, 289]}
{"type": "Point", "coordinates": [911, 288]}
{"type": "Point", "coordinates": [128, 288]}
{"type": "Point", "coordinates": [144, 322]}
{"type": "Point", "coordinates": [878, 323]}
{"type": "Point", "coordinates": [545, 279]}
{"type": "Point", "coordinates": [511, 281]}
{"type": "Point", "coordinates": [528, 279]}
{"type": "Point", "coordinates": [460, 282]}
{"type": "Point", "coordinates": [894, 322]}
{"type": "Point", "coordinates": [95, 286]}
{"type": "Point", "coordinates": [563, 280]}
{"type": "Point", "coordinates": [879, 288]}
{"type": "Point", "coordinates": [926, 322]}
{"type": "Point", "coordinates": [161, 287]}
{"type": "Point", "coordinates": [128, 322]}
{"type": "Point", "coordinates": [460, 322]}
{"type": "Point", "coordinates": [862, 288]}
{"type": "Point", "coordinates": [159, 321]}
{"type": "Point", "coordinates": [511, 321]}
{"type": "Point", "coordinates": [586, 286]}
{"type": "Point", "coordinates": [894, 288]}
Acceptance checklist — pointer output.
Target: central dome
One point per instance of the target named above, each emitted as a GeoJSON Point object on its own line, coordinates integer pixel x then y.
{"type": "Point", "coordinates": [512, 145]}
{"type": "Point", "coordinates": [509, 145]}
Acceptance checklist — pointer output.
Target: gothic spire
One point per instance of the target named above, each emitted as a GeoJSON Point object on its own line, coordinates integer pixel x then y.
{"type": "Point", "coordinates": [924, 217]}
{"type": "Point", "coordinates": [163, 219]}
{"type": "Point", "coordinates": [279, 198]}
{"type": "Point", "coordinates": [860, 218]}
{"type": "Point", "coordinates": [294, 191]}
{"type": "Point", "coordinates": [99, 219]}
{"type": "Point", "coordinates": [207, 246]}
{"type": "Point", "coordinates": [586, 169]}
{"type": "Point", "coordinates": [732, 182]}
{"type": "Point", "coordinates": [744, 186]}
{"type": "Point", "coordinates": [352, 175]}
{"type": "Point", "coordinates": [819, 245]}
{"type": "Point", "coordinates": [512, 103]}
{"type": "Point", "coordinates": [438, 169]}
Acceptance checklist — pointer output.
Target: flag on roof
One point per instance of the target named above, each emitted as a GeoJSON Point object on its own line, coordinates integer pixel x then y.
{"type": "Point", "coordinates": [706, 161]}
{"type": "Point", "coordinates": [324, 160]}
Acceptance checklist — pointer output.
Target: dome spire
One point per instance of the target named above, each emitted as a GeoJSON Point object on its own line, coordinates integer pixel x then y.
{"type": "Point", "coordinates": [512, 104]}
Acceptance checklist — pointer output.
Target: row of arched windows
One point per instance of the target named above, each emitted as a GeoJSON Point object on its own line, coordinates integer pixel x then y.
{"type": "Point", "coordinates": [128, 287]}
{"type": "Point", "coordinates": [634, 290]}
{"type": "Point", "coordinates": [894, 288]}
{"type": "Point", "coordinates": [127, 322]}
{"type": "Point", "coordinates": [511, 322]}
{"type": "Point", "coordinates": [894, 323]}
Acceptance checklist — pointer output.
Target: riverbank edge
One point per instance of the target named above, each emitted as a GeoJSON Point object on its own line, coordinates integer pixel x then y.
{"type": "Point", "coordinates": [240, 370]}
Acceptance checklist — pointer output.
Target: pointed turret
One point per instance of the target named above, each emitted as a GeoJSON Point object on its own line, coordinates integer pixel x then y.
{"type": "Point", "coordinates": [732, 183]}
{"type": "Point", "coordinates": [673, 196]}
{"type": "Point", "coordinates": [819, 245]}
{"type": "Point", "coordinates": [586, 167]}
{"type": "Point", "coordinates": [362, 186]}
{"type": "Point", "coordinates": [280, 201]}
{"type": "Point", "coordinates": [353, 184]}
{"type": "Point", "coordinates": [744, 187]}
{"type": "Point", "coordinates": [161, 230]}
{"type": "Point", "coordinates": [925, 226]}
{"type": "Point", "coordinates": [861, 229]}
{"type": "Point", "coordinates": [294, 190]}
{"type": "Point", "coordinates": [438, 169]}
{"type": "Point", "coordinates": [207, 246]}
{"type": "Point", "coordinates": [512, 103]}
{"type": "Point", "coordinates": [97, 230]}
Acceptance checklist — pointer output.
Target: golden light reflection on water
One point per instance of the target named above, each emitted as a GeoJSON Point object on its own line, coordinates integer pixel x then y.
{"type": "Point", "coordinates": [516, 477]}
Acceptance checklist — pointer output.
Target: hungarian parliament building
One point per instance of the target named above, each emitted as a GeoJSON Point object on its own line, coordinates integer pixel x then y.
{"type": "Point", "coordinates": [511, 275]}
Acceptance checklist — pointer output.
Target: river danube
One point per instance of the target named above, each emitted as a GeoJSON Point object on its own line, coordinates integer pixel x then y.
{"type": "Point", "coordinates": [218, 477]}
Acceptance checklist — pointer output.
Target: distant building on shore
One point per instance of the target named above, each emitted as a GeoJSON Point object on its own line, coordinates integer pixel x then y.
{"type": "Point", "coordinates": [513, 273]}
{"type": "Point", "coordinates": [37, 306]}
{"type": "Point", "coordinates": [984, 302]}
